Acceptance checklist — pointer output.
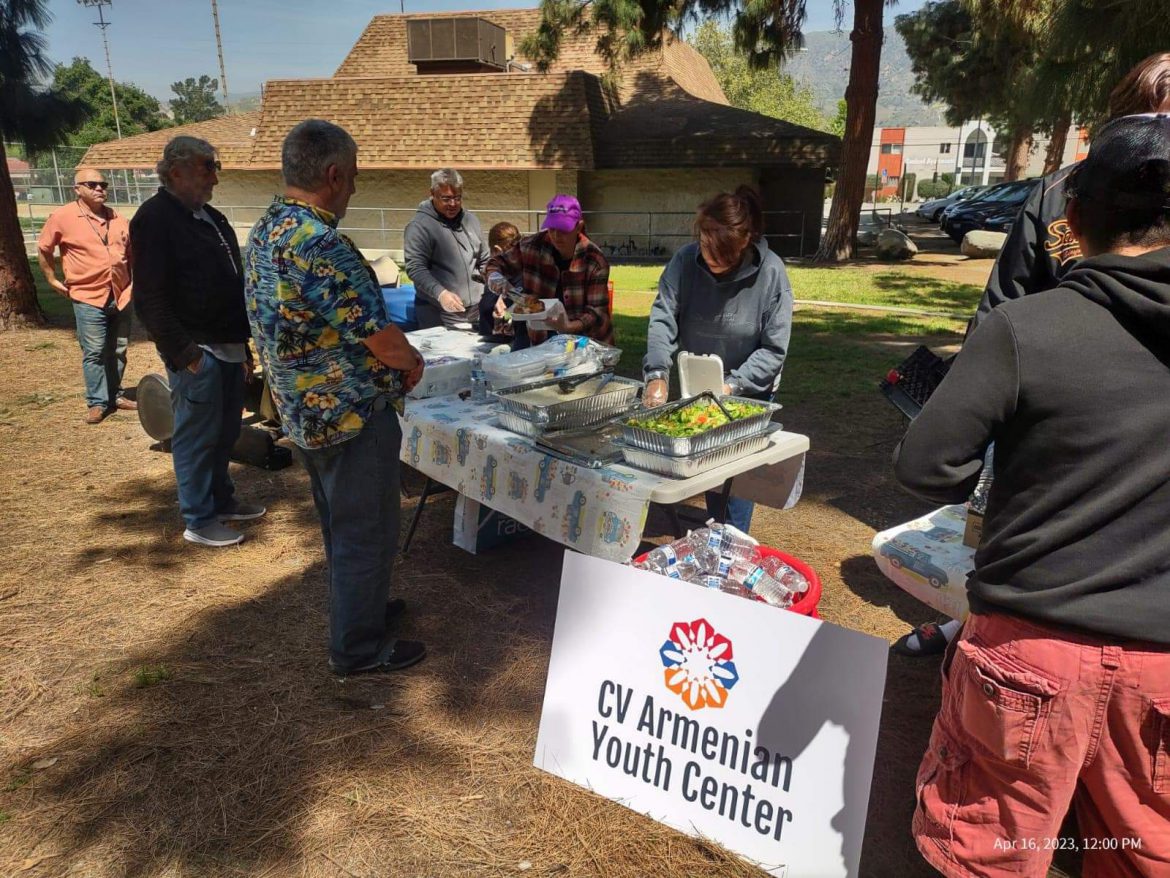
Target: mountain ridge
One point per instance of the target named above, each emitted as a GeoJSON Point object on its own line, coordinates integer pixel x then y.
{"type": "Point", "coordinates": [823, 66]}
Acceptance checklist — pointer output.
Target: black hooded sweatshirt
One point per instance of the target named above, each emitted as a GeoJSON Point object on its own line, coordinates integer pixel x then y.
{"type": "Point", "coordinates": [1073, 386]}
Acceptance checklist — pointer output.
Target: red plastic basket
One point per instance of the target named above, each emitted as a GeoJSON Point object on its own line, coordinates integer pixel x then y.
{"type": "Point", "coordinates": [807, 605]}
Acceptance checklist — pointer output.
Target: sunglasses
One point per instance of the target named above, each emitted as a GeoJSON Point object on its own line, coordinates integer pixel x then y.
{"type": "Point", "coordinates": [210, 166]}
{"type": "Point", "coordinates": [92, 184]}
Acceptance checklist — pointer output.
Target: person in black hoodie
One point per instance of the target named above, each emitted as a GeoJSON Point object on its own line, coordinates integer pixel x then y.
{"type": "Point", "coordinates": [1057, 689]}
{"type": "Point", "coordinates": [189, 293]}
{"type": "Point", "coordinates": [1038, 252]}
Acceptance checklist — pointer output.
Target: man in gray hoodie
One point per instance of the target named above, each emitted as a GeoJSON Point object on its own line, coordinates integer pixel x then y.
{"type": "Point", "coordinates": [445, 253]}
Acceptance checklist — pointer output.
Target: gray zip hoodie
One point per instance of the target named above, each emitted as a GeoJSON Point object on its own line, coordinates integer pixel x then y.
{"type": "Point", "coordinates": [440, 255]}
{"type": "Point", "coordinates": [746, 319]}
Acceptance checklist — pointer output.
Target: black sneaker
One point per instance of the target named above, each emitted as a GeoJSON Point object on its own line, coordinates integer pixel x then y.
{"type": "Point", "coordinates": [403, 654]}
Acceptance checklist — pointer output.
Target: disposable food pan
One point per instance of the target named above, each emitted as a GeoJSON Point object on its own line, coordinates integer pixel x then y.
{"type": "Point", "coordinates": [690, 446]}
{"type": "Point", "coordinates": [592, 399]}
{"type": "Point", "coordinates": [683, 467]}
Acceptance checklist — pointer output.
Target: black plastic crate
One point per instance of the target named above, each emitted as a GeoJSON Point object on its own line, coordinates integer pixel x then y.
{"type": "Point", "coordinates": [909, 384]}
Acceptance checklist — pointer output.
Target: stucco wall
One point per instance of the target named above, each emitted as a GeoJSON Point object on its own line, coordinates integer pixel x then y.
{"type": "Point", "coordinates": [386, 200]}
{"type": "Point", "coordinates": [618, 206]}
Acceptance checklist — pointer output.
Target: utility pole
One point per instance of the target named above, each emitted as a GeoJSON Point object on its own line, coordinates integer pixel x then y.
{"type": "Point", "coordinates": [219, 48]}
{"type": "Point", "coordinates": [103, 24]}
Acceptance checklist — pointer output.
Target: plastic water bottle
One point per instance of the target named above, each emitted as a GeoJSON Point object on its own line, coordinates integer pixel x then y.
{"type": "Point", "coordinates": [758, 581]}
{"type": "Point", "coordinates": [479, 383]}
{"type": "Point", "coordinates": [718, 547]}
{"type": "Point", "coordinates": [785, 574]}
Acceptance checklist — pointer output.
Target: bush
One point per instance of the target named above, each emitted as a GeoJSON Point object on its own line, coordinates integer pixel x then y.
{"type": "Point", "coordinates": [933, 189]}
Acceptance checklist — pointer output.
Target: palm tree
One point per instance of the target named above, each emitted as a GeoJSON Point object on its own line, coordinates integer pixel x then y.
{"type": "Point", "coordinates": [38, 118]}
{"type": "Point", "coordinates": [767, 30]}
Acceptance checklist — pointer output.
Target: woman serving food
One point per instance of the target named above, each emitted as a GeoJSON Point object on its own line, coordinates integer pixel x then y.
{"type": "Point", "coordinates": [726, 294]}
{"type": "Point", "coordinates": [559, 263]}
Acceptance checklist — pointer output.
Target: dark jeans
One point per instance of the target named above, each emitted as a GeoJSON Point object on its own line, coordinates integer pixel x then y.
{"type": "Point", "coordinates": [208, 407]}
{"type": "Point", "coordinates": [739, 512]}
{"type": "Point", "coordinates": [104, 335]}
{"type": "Point", "coordinates": [355, 490]}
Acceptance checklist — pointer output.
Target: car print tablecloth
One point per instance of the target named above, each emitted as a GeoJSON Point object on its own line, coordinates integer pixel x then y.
{"type": "Point", "coordinates": [926, 557]}
{"type": "Point", "coordinates": [599, 512]}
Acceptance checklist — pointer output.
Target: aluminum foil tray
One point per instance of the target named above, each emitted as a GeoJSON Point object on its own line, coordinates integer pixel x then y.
{"type": "Point", "coordinates": [683, 467]}
{"type": "Point", "coordinates": [541, 403]}
{"type": "Point", "coordinates": [689, 446]}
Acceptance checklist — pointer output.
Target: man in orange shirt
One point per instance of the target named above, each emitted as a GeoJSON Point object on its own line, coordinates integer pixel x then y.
{"type": "Point", "coordinates": [95, 243]}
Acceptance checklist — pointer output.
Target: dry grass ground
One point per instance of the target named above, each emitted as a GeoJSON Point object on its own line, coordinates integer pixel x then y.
{"type": "Point", "coordinates": [165, 710]}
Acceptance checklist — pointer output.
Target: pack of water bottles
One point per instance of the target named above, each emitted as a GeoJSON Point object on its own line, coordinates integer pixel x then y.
{"type": "Point", "coordinates": [723, 557]}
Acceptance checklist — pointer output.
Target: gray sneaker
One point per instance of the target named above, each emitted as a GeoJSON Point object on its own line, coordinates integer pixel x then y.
{"type": "Point", "coordinates": [242, 512]}
{"type": "Point", "coordinates": [213, 535]}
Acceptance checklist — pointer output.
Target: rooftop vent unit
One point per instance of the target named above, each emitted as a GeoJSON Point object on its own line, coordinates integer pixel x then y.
{"type": "Point", "coordinates": [456, 45]}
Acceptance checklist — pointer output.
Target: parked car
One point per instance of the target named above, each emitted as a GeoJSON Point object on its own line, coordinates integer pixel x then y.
{"type": "Point", "coordinates": [931, 210]}
{"type": "Point", "coordinates": [1000, 200]}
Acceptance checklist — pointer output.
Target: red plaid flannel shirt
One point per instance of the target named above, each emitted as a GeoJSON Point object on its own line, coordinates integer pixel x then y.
{"type": "Point", "coordinates": [532, 263]}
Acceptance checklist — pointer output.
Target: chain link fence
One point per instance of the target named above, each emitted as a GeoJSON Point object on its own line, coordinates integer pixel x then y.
{"type": "Point", "coordinates": [629, 236]}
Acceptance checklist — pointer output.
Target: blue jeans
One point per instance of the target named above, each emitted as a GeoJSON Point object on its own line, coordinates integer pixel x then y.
{"type": "Point", "coordinates": [355, 489]}
{"type": "Point", "coordinates": [104, 335]}
{"type": "Point", "coordinates": [207, 407]}
{"type": "Point", "coordinates": [739, 512]}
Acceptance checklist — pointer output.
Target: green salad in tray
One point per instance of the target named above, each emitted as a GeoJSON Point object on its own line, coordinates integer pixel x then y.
{"type": "Point", "coordinates": [699, 417]}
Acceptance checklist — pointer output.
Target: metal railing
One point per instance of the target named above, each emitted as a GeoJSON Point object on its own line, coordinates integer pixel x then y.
{"type": "Point", "coordinates": [624, 236]}
{"type": "Point", "coordinates": [621, 235]}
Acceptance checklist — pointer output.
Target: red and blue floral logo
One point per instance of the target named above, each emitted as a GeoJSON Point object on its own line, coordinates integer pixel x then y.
{"type": "Point", "coordinates": [698, 664]}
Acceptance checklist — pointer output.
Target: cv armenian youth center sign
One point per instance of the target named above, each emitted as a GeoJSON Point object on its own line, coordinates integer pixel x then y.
{"type": "Point", "coordinates": [721, 717]}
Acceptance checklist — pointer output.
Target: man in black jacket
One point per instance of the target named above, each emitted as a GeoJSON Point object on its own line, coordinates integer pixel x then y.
{"type": "Point", "coordinates": [1041, 247]}
{"type": "Point", "coordinates": [1040, 250]}
{"type": "Point", "coordinates": [189, 293]}
{"type": "Point", "coordinates": [1057, 689]}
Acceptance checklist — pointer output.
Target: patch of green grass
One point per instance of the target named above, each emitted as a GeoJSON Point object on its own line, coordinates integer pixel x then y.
{"type": "Point", "coordinates": [846, 284]}
{"type": "Point", "coordinates": [18, 780]}
{"type": "Point", "coordinates": [835, 355]}
{"type": "Point", "coordinates": [149, 675]}
{"type": "Point", "coordinates": [42, 346]}
{"type": "Point", "coordinates": [4, 817]}
{"type": "Point", "coordinates": [92, 687]}
{"type": "Point", "coordinates": [57, 308]}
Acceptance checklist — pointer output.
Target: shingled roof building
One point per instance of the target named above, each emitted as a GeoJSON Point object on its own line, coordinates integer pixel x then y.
{"type": "Point", "coordinates": [418, 92]}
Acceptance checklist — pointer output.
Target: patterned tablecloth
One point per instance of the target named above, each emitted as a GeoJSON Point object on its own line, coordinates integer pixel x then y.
{"type": "Point", "coordinates": [926, 557]}
{"type": "Point", "coordinates": [596, 511]}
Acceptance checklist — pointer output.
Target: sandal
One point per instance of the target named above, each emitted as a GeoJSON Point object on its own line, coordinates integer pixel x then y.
{"type": "Point", "coordinates": [931, 641]}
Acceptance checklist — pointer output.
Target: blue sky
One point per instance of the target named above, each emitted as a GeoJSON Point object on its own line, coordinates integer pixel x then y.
{"type": "Point", "coordinates": [156, 42]}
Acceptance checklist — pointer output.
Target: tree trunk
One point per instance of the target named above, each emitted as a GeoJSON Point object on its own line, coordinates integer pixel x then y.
{"type": "Point", "coordinates": [1016, 161]}
{"type": "Point", "coordinates": [1053, 158]}
{"type": "Point", "coordinates": [840, 237]}
{"type": "Point", "coordinates": [18, 293]}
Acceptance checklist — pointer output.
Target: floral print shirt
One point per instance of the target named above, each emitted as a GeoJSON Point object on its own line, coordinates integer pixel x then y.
{"type": "Point", "coordinates": [311, 299]}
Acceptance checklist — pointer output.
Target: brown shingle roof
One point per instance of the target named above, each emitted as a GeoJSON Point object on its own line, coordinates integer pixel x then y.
{"type": "Point", "coordinates": [677, 130]}
{"type": "Point", "coordinates": [381, 51]}
{"type": "Point", "coordinates": [669, 112]}
{"type": "Point", "coordinates": [231, 136]}
{"type": "Point", "coordinates": [490, 120]}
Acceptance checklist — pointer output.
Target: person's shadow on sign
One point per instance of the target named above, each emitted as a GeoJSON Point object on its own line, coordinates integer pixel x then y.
{"type": "Point", "coordinates": [810, 698]}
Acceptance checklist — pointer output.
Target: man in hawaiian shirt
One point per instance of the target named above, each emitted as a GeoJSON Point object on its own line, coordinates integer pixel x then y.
{"type": "Point", "coordinates": [336, 366]}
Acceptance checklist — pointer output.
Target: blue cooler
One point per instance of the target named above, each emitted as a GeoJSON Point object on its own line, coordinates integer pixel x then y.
{"type": "Point", "coordinates": [400, 304]}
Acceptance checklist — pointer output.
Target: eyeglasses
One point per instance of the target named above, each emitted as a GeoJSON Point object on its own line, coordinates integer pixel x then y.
{"type": "Point", "coordinates": [210, 166]}
{"type": "Point", "coordinates": [94, 184]}
{"type": "Point", "coordinates": [450, 199]}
